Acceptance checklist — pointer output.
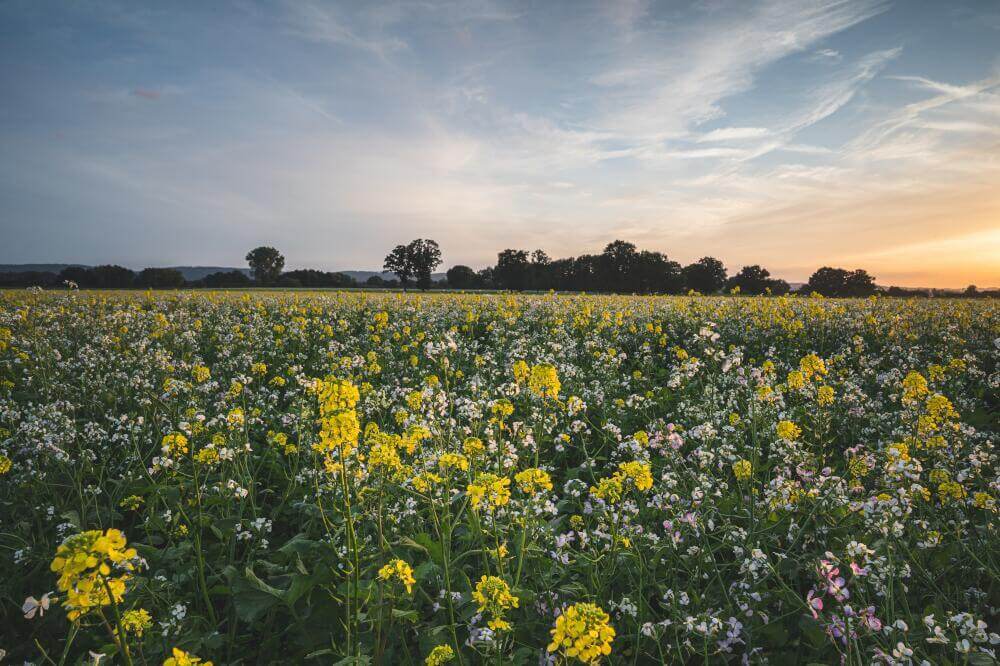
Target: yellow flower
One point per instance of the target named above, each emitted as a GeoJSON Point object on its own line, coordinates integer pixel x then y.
{"type": "Point", "coordinates": [742, 469]}
{"type": "Point", "coordinates": [812, 365]}
{"type": "Point", "coordinates": [175, 443]}
{"type": "Point", "coordinates": [795, 380]}
{"type": "Point", "coordinates": [544, 381]}
{"type": "Point", "coordinates": [135, 622]}
{"type": "Point", "coordinates": [858, 467]}
{"type": "Point", "coordinates": [642, 437]}
{"type": "Point", "coordinates": [824, 395]}
{"type": "Point", "coordinates": [207, 456]}
{"type": "Point", "coordinates": [493, 596]}
{"type": "Point", "coordinates": [181, 658]}
{"type": "Point", "coordinates": [914, 386]}
{"type": "Point", "coordinates": [414, 399]}
{"type": "Point", "coordinates": [583, 632]}
{"type": "Point", "coordinates": [610, 489]}
{"type": "Point", "coordinates": [83, 562]}
{"type": "Point", "coordinates": [788, 430]}
{"type": "Point", "coordinates": [473, 447]}
{"type": "Point", "coordinates": [450, 461]}
{"type": "Point", "coordinates": [424, 481]}
{"type": "Point", "coordinates": [951, 490]}
{"type": "Point", "coordinates": [384, 456]}
{"type": "Point", "coordinates": [235, 418]}
{"type": "Point", "coordinates": [533, 480]}
{"type": "Point", "coordinates": [200, 373]}
{"type": "Point", "coordinates": [489, 490]}
{"type": "Point", "coordinates": [439, 655]}
{"type": "Point", "coordinates": [502, 408]}
{"type": "Point", "coordinates": [131, 503]}
{"type": "Point", "coordinates": [520, 370]}
{"type": "Point", "coordinates": [339, 426]}
{"type": "Point", "coordinates": [259, 368]}
{"type": "Point", "coordinates": [638, 473]}
{"type": "Point", "coordinates": [399, 570]}
{"type": "Point", "coordinates": [5, 464]}
{"type": "Point", "coordinates": [983, 500]}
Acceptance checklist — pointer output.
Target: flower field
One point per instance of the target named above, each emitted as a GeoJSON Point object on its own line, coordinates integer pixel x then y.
{"type": "Point", "coordinates": [354, 478]}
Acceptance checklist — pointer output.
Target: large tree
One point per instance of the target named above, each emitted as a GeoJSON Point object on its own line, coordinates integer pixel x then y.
{"type": "Point", "coordinates": [751, 280]}
{"type": "Point", "coordinates": [425, 256]}
{"type": "Point", "coordinates": [265, 264]}
{"type": "Point", "coordinates": [840, 282]}
{"type": "Point", "coordinates": [512, 270]}
{"type": "Point", "coordinates": [160, 278]}
{"type": "Point", "coordinates": [706, 276]}
{"type": "Point", "coordinates": [415, 261]}
{"type": "Point", "coordinates": [398, 262]}
{"type": "Point", "coordinates": [461, 277]}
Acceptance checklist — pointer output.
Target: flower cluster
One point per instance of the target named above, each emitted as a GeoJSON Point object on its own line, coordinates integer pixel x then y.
{"type": "Point", "coordinates": [93, 568]}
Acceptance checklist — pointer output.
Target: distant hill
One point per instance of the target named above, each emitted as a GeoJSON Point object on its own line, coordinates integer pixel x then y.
{"type": "Point", "coordinates": [362, 276]}
{"type": "Point", "coordinates": [190, 273]}
{"type": "Point", "coordinates": [36, 268]}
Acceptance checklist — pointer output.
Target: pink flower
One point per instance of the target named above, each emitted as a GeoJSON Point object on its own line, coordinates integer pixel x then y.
{"type": "Point", "coordinates": [815, 604]}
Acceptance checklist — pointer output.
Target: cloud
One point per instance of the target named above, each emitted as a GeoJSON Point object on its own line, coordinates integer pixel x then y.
{"type": "Point", "coordinates": [734, 133]}
{"type": "Point", "coordinates": [321, 23]}
{"type": "Point", "coordinates": [826, 56]}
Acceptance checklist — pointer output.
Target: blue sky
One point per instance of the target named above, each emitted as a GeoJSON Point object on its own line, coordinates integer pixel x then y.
{"type": "Point", "coordinates": [789, 133]}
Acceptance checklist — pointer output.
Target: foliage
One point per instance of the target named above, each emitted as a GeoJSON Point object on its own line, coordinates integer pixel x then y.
{"type": "Point", "coordinates": [265, 264]}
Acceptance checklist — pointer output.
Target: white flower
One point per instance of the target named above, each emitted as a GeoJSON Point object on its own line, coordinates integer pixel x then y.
{"type": "Point", "coordinates": [32, 606]}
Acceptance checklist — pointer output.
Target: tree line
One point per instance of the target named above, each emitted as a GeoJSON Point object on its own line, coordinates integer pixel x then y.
{"type": "Point", "coordinates": [620, 268]}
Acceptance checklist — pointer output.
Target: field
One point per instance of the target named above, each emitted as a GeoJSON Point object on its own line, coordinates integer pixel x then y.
{"type": "Point", "coordinates": [361, 478]}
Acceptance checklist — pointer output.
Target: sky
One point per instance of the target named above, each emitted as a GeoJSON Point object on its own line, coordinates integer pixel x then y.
{"type": "Point", "coordinates": [788, 133]}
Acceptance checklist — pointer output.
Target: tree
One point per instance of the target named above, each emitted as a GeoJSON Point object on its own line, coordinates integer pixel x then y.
{"type": "Point", "coordinates": [160, 278]}
{"type": "Point", "coordinates": [752, 280]}
{"type": "Point", "coordinates": [309, 277]}
{"type": "Point", "coordinates": [111, 277]}
{"type": "Point", "coordinates": [654, 273]}
{"type": "Point", "coordinates": [617, 263]}
{"type": "Point", "coordinates": [836, 282]}
{"type": "Point", "coordinates": [706, 276]}
{"type": "Point", "coordinates": [398, 262]}
{"type": "Point", "coordinates": [223, 279]}
{"type": "Point", "coordinates": [424, 256]}
{"type": "Point", "coordinates": [461, 277]}
{"type": "Point", "coordinates": [266, 264]}
{"type": "Point", "coordinates": [512, 270]}
{"type": "Point", "coordinates": [971, 291]}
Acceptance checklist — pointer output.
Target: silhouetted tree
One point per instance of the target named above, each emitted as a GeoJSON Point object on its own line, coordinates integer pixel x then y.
{"type": "Point", "coordinates": [461, 277]}
{"type": "Point", "coordinates": [654, 273]}
{"type": "Point", "coordinates": [839, 282]}
{"type": "Point", "coordinates": [511, 271]}
{"type": "Point", "coordinates": [706, 276]}
{"type": "Point", "coordinates": [618, 262]}
{"type": "Point", "coordinates": [312, 278]}
{"type": "Point", "coordinates": [160, 278]}
{"type": "Point", "coordinates": [29, 279]}
{"type": "Point", "coordinates": [424, 256]}
{"type": "Point", "coordinates": [971, 291]}
{"type": "Point", "coordinates": [415, 261]}
{"type": "Point", "coordinates": [225, 279]}
{"type": "Point", "coordinates": [778, 287]}
{"type": "Point", "coordinates": [486, 278]}
{"type": "Point", "coordinates": [398, 262]}
{"type": "Point", "coordinates": [110, 276]}
{"type": "Point", "coordinates": [265, 264]}
{"type": "Point", "coordinates": [752, 280]}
